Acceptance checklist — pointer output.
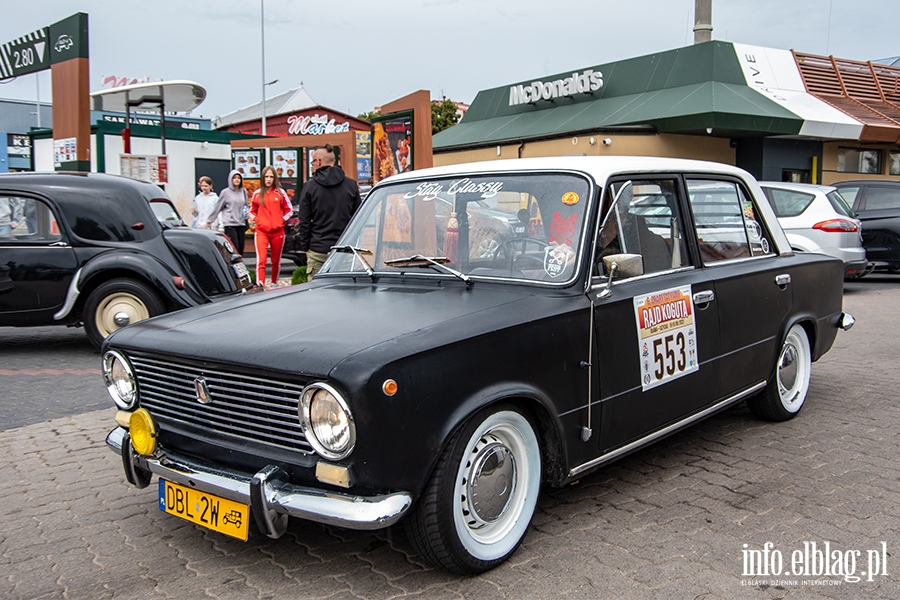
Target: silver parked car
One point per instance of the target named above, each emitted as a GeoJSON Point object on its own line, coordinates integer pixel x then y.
{"type": "Point", "coordinates": [816, 218]}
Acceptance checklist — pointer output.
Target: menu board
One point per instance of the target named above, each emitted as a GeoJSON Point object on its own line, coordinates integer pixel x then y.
{"type": "Point", "coordinates": [393, 152]}
{"type": "Point", "coordinates": [248, 163]}
{"type": "Point", "coordinates": [154, 169]}
{"type": "Point", "coordinates": [285, 163]}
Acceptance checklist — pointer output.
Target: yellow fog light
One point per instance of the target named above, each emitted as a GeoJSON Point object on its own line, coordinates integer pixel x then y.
{"type": "Point", "coordinates": [143, 432]}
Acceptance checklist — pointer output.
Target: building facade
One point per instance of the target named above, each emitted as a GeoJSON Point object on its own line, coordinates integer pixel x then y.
{"type": "Point", "coordinates": [782, 115]}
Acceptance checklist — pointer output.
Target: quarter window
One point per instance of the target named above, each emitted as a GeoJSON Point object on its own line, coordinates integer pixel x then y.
{"type": "Point", "coordinates": [788, 203]}
{"type": "Point", "coordinates": [726, 221]}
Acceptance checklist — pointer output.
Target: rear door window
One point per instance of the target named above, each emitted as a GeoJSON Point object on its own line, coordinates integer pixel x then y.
{"type": "Point", "coordinates": [882, 198]}
{"type": "Point", "coordinates": [726, 221]}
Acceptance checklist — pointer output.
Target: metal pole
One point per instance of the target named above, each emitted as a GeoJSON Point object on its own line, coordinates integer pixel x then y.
{"type": "Point", "coordinates": [262, 37]}
{"type": "Point", "coordinates": [37, 78]}
{"type": "Point", "coordinates": [162, 117]}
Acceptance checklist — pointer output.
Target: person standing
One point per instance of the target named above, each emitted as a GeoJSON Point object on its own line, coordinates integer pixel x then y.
{"type": "Point", "coordinates": [327, 202]}
{"type": "Point", "coordinates": [231, 210]}
{"type": "Point", "coordinates": [10, 214]}
{"type": "Point", "coordinates": [204, 203]}
{"type": "Point", "coordinates": [269, 208]}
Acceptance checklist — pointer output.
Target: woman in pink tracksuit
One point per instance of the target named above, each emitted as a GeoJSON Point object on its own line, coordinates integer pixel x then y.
{"type": "Point", "coordinates": [269, 208]}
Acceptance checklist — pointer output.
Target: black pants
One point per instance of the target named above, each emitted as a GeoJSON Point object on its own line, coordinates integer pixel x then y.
{"type": "Point", "coordinates": [235, 233]}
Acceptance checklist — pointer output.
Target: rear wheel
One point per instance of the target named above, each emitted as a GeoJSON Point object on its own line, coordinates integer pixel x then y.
{"type": "Point", "coordinates": [117, 303]}
{"type": "Point", "coordinates": [476, 509]}
{"type": "Point", "coordinates": [785, 394]}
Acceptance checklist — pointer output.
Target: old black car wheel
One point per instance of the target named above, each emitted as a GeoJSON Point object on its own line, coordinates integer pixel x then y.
{"type": "Point", "coordinates": [785, 394]}
{"type": "Point", "coordinates": [118, 303]}
{"type": "Point", "coordinates": [480, 500]}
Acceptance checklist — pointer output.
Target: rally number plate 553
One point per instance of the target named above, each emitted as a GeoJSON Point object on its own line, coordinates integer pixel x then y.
{"type": "Point", "coordinates": [219, 514]}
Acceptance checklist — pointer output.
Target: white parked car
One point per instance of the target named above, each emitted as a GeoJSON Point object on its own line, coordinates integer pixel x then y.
{"type": "Point", "coordinates": [816, 218]}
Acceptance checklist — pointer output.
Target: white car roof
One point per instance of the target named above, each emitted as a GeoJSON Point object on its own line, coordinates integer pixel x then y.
{"type": "Point", "coordinates": [598, 167]}
{"type": "Point", "coordinates": [797, 187]}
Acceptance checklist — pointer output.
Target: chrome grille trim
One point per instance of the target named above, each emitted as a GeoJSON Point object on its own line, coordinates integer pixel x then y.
{"type": "Point", "coordinates": [243, 406]}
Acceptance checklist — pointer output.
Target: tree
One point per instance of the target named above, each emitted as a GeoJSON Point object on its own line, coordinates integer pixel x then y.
{"type": "Point", "coordinates": [443, 115]}
{"type": "Point", "coordinates": [368, 116]}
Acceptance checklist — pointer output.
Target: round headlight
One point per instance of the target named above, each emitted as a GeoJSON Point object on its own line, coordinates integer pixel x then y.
{"type": "Point", "coordinates": [326, 421]}
{"type": "Point", "coordinates": [119, 379]}
{"type": "Point", "coordinates": [142, 430]}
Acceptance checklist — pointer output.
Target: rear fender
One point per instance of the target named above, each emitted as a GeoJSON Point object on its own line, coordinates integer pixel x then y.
{"type": "Point", "coordinates": [129, 264]}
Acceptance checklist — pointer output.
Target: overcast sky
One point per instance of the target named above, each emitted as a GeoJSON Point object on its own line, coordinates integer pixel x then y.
{"type": "Point", "coordinates": [353, 55]}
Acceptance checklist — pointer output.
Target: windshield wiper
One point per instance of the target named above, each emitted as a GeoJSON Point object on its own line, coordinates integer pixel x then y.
{"type": "Point", "coordinates": [358, 252]}
{"type": "Point", "coordinates": [418, 260]}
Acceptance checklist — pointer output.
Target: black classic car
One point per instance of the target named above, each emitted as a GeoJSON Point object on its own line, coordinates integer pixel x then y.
{"type": "Point", "coordinates": [422, 379]}
{"type": "Point", "coordinates": [877, 205]}
{"type": "Point", "coordinates": [103, 251]}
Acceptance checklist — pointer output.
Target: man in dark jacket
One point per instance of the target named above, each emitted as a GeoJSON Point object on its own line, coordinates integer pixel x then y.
{"type": "Point", "coordinates": [327, 202]}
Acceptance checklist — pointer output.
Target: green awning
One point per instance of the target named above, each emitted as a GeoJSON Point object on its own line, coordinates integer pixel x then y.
{"type": "Point", "coordinates": [687, 90]}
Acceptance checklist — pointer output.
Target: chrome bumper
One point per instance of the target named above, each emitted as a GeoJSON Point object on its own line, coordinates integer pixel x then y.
{"type": "Point", "coordinates": [271, 497]}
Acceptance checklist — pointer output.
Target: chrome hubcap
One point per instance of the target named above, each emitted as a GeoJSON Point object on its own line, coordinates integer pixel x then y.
{"type": "Point", "coordinates": [121, 319]}
{"type": "Point", "coordinates": [787, 369]}
{"type": "Point", "coordinates": [490, 483]}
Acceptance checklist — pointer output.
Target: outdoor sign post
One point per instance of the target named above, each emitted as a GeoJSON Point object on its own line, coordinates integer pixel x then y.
{"type": "Point", "coordinates": [62, 48]}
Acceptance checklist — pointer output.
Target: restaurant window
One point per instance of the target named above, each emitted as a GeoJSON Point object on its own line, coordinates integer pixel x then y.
{"type": "Point", "coordinates": [854, 160]}
{"type": "Point", "coordinates": [894, 165]}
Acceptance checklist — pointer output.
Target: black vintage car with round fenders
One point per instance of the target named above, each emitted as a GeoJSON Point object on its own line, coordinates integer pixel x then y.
{"type": "Point", "coordinates": [426, 377]}
{"type": "Point", "coordinates": [103, 251]}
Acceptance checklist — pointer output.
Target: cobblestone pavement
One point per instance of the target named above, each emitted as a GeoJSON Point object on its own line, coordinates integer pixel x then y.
{"type": "Point", "coordinates": [672, 521]}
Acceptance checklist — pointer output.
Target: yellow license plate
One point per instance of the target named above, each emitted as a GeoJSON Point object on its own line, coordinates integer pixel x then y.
{"type": "Point", "coordinates": [219, 514]}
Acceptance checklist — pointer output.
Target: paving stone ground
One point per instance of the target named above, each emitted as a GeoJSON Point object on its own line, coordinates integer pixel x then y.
{"type": "Point", "coordinates": [668, 522]}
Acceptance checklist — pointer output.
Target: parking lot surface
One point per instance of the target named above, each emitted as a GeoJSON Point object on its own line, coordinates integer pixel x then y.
{"type": "Point", "coordinates": [702, 514]}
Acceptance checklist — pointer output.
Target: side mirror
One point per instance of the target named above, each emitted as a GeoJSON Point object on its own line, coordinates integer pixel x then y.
{"type": "Point", "coordinates": [628, 265]}
{"type": "Point", "coordinates": [620, 265]}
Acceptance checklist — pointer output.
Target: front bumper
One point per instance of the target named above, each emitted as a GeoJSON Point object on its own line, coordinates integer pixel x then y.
{"type": "Point", "coordinates": [271, 497]}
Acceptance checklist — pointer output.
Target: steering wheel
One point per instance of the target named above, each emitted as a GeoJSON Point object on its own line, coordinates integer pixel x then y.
{"type": "Point", "coordinates": [508, 247]}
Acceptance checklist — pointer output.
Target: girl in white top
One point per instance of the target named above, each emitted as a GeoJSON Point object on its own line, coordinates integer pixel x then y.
{"type": "Point", "coordinates": [204, 203]}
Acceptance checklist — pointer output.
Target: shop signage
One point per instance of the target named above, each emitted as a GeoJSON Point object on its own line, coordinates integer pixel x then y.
{"type": "Point", "coordinates": [315, 125]}
{"type": "Point", "coordinates": [145, 121]}
{"type": "Point", "coordinates": [579, 83]}
{"type": "Point", "coordinates": [18, 144]}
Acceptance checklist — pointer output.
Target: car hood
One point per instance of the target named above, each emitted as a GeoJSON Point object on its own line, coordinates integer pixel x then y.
{"type": "Point", "coordinates": [310, 330]}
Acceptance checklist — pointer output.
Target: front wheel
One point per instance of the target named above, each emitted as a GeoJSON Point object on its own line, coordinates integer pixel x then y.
{"type": "Point", "coordinates": [482, 495]}
{"type": "Point", "coordinates": [117, 303]}
{"type": "Point", "coordinates": [785, 394]}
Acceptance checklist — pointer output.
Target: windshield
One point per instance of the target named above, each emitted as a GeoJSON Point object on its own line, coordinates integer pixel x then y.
{"type": "Point", "coordinates": [508, 226]}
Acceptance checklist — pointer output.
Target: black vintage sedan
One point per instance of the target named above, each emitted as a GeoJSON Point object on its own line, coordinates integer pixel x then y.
{"type": "Point", "coordinates": [104, 251]}
{"type": "Point", "coordinates": [424, 380]}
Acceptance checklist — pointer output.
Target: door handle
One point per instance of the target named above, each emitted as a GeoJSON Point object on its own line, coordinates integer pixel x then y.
{"type": "Point", "coordinates": [782, 280]}
{"type": "Point", "coordinates": [704, 297]}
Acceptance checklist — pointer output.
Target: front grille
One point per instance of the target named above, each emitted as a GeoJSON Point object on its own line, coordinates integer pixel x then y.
{"type": "Point", "coordinates": [242, 406]}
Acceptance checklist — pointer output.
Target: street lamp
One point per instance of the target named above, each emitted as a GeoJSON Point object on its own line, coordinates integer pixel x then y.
{"type": "Point", "coordinates": [274, 81]}
{"type": "Point", "coordinates": [262, 30]}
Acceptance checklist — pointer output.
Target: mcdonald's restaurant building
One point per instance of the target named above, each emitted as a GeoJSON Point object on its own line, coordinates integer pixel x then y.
{"type": "Point", "coordinates": [782, 115]}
